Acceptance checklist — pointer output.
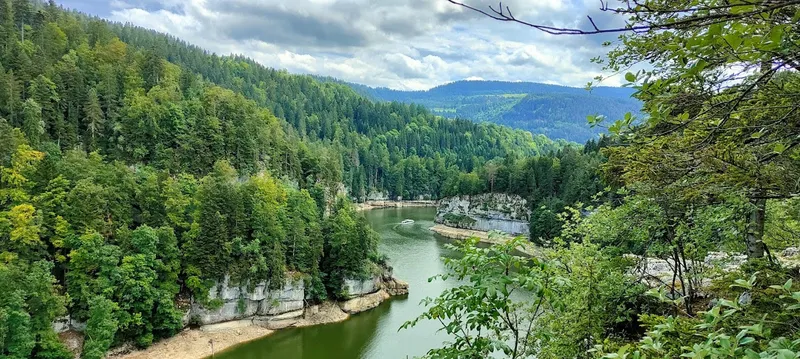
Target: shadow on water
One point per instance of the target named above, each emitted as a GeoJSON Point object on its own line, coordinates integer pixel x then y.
{"type": "Point", "coordinates": [415, 254]}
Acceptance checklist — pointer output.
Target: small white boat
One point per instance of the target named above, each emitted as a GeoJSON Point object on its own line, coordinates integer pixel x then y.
{"type": "Point", "coordinates": [407, 221]}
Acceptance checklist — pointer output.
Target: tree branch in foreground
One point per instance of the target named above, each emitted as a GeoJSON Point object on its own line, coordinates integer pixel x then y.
{"type": "Point", "coordinates": [699, 16]}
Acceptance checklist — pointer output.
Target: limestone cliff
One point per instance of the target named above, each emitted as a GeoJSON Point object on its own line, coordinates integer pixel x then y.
{"type": "Point", "coordinates": [369, 293]}
{"type": "Point", "coordinates": [274, 308]}
{"type": "Point", "coordinates": [238, 303]}
{"type": "Point", "coordinates": [486, 212]}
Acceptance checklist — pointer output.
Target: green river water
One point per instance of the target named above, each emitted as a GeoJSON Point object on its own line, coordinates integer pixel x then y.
{"type": "Point", "coordinates": [415, 253]}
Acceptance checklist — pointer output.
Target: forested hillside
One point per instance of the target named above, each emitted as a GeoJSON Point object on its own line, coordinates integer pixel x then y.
{"type": "Point", "coordinates": [136, 170]}
{"type": "Point", "coordinates": [555, 111]}
{"type": "Point", "coordinates": [383, 146]}
{"type": "Point", "coordinates": [549, 183]}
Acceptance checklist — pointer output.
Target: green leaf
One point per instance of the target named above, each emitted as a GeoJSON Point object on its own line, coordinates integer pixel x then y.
{"type": "Point", "coordinates": [733, 39]}
{"type": "Point", "coordinates": [630, 77]}
{"type": "Point", "coordinates": [776, 35]}
{"type": "Point", "coordinates": [779, 148]}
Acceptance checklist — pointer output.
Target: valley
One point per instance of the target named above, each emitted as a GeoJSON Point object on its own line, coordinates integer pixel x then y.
{"type": "Point", "coordinates": [160, 199]}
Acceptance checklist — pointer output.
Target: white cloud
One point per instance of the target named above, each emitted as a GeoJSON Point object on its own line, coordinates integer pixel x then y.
{"type": "Point", "coordinates": [404, 44]}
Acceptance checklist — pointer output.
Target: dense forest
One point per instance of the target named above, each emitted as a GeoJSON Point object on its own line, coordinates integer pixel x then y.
{"type": "Point", "coordinates": [384, 147]}
{"type": "Point", "coordinates": [136, 171]}
{"type": "Point", "coordinates": [371, 146]}
{"type": "Point", "coordinates": [555, 111]}
{"type": "Point", "coordinates": [691, 248]}
{"type": "Point", "coordinates": [549, 183]}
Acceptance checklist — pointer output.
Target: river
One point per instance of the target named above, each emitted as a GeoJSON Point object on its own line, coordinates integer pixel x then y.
{"type": "Point", "coordinates": [415, 253]}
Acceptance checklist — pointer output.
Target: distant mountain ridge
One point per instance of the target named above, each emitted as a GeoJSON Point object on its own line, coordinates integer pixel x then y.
{"type": "Point", "coordinates": [553, 110]}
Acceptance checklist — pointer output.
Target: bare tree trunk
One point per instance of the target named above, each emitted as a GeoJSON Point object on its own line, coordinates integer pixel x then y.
{"type": "Point", "coordinates": [686, 279]}
{"type": "Point", "coordinates": [755, 229]}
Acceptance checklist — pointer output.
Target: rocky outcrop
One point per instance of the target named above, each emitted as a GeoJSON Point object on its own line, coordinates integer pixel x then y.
{"type": "Point", "coordinates": [240, 303]}
{"type": "Point", "coordinates": [656, 271]}
{"type": "Point", "coordinates": [67, 323]}
{"type": "Point", "coordinates": [378, 196]}
{"type": "Point", "coordinates": [486, 212]}
{"type": "Point", "coordinates": [276, 308]}
{"type": "Point", "coordinates": [365, 294]}
{"type": "Point", "coordinates": [275, 322]}
{"type": "Point", "coordinates": [395, 287]}
{"type": "Point", "coordinates": [360, 287]}
{"type": "Point", "coordinates": [284, 307]}
{"type": "Point", "coordinates": [369, 205]}
{"type": "Point", "coordinates": [364, 303]}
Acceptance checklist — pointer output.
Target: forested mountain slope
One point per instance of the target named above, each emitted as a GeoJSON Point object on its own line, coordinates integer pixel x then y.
{"type": "Point", "coordinates": [552, 110]}
{"type": "Point", "coordinates": [383, 141]}
{"type": "Point", "coordinates": [136, 169]}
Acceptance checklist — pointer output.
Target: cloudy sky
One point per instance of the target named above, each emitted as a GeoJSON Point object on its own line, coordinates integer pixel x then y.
{"type": "Point", "coordinates": [401, 44]}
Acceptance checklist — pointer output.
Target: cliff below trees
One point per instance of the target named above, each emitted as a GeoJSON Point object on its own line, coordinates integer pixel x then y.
{"type": "Point", "coordinates": [486, 212]}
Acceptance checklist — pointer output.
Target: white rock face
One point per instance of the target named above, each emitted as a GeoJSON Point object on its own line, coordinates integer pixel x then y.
{"type": "Point", "coordinates": [227, 326]}
{"type": "Point", "coordinates": [67, 323]}
{"type": "Point", "coordinates": [238, 303]}
{"type": "Point", "coordinates": [364, 303]}
{"type": "Point", "coordinates": [486, 212]}
{"type": "Point", "coordinates": [358, 287]}
{"type": "Point", "coordinates": [273, 309]}
{"type": "Point", "coordinates": [61, 324]}
{"type": "Point", "coordinates": [378, 196]}
{"type": "Point", "coordinates": [289, 298]}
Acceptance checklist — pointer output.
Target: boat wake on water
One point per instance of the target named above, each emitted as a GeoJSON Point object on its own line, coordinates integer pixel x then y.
{"type": "Point", "coordinates": [405, 222]}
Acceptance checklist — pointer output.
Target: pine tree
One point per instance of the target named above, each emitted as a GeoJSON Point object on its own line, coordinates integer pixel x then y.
{"type": "Point", "coordinates": [32, 124]}
{"type": "Point", "coordinates": [152, 70]}
{"type": "Point", "coordinates": [23, 13]}
{"type": "Point", "coordinates": [93, 119]}
{"type": "Point", "coordinates": [9, 96]}
{"type": "Point", "coordinates": [7, 27]}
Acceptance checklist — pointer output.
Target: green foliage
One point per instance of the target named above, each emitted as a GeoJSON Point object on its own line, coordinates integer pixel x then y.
{"type": "Point", "coordinates": [109, 88]}
{"type": "Point", "coordinates": [730, 329]}
{"type": "Point", "coordinates": [349, 245]}
{"type": "Point", "coordinates": [30, 303]}
{"type": "Point", "coordinates": [712, 168]}
{"type": "Point", "coordinates": [598, 299]}
{"type": "Point", "coordinates": [484, 315]}
{"type": "Point", "coordinates": [100, 328]}
{"type": "Point", "coordinates": [549, 183]}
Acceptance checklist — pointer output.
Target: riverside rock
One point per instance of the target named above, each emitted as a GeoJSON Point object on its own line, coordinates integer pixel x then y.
{"type": "Point", "coordinates": [394, 286]}
{"type": "Point", "coordinates": [364, 303]}
{"type": "Point", "coordinates": [359, 287]}
{"type": "Point", "coordinates": [486, 212]}
{"type": "Point", "coordinates": [239, 303]}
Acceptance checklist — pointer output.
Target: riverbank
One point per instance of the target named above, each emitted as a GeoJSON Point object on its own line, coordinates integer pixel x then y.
{"type": "Point", "coordinates": [484, 237]}
{"type": "Point", "coordinates": [196, 343]}
{"type": "Point", "coordinates": [369, 205]}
